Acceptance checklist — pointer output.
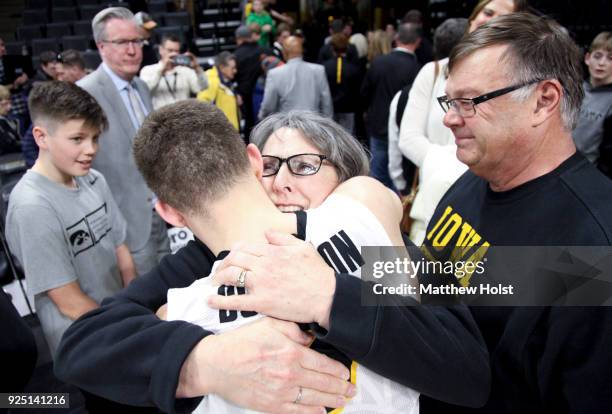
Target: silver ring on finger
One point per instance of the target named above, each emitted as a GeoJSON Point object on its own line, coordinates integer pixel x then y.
{"type": "Point", "coordinates": [298, 398]}
{"type": "Point", "coordinates": [241, 282]}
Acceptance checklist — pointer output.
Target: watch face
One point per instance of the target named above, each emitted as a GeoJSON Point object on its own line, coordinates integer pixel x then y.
{"type": "Point", "coordinates": [18, 71]}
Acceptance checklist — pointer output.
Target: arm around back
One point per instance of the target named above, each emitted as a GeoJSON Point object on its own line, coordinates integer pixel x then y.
{"type": "Point", "coordinates": [123, 352]}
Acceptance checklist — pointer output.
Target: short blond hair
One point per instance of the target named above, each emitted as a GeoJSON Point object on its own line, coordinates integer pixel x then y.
{"type": "Point", "coordinates": [4, 93]}
{"type": "Point", "coordinates": [602, 41]}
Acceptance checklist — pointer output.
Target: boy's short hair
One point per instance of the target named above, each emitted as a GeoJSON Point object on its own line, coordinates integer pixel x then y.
{"type": "Point", "coordinates": [4, 93]}
{"type": "Point", "coordinates": [72, 57]}
{"type": "Point", "coordinates": [189, 154]}
{"type": "Point", "coordinates": [602, 41]}
{"type": "Point", "coordinates": [54, 102]}
{"type": "Point", "coordinates": [48, 56]}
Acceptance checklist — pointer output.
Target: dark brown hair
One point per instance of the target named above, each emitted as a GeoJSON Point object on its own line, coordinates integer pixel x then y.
{"type": "Point", "coordinates": [54, 102]}
{"type": "Point", "coordinates": [339, 42]}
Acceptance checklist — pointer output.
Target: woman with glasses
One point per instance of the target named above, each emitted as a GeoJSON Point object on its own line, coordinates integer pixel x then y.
{"type": "Point", "coordinates": [423, 138]}
{"type": "Point", "coordinates": [306, 156]}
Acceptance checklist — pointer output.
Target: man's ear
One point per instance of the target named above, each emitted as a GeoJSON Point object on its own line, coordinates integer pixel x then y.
{"type": "Point", "coordinates": [170, 214]}
{"type": "Point", "coordinates": [587, 58]}
{"type": "Point", "coordinates": [549, 94]}
{"type": "Point", "coordinates": [40, 136]}
{"type": "Point", "coordinates": [255, 160]}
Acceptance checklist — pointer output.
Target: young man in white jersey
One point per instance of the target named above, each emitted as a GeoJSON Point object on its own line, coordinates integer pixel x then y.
{"type": "Point", "coordinates": [233, 207]}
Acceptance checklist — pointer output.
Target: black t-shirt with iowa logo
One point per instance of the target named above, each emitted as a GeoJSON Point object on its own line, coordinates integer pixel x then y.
{"type": "Point", "coordinates": [543, 359]}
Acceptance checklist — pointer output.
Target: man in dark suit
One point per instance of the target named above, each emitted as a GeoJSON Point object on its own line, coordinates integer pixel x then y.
{"type": "Point", "coordinates": [248, 64]}
{"type": "Point", "coordinates": [327, 51]}
{"type": "Point", "coordinates": [126, 101]}
{"type": "Point", "coordinates": [387, 75]}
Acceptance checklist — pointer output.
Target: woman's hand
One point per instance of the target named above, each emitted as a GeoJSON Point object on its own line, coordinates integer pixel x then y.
{"type": "Point", "coordinates": [286, 279]}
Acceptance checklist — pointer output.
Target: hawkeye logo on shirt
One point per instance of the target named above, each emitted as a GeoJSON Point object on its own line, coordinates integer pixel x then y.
{"type": "Point", "coordinates": [89, 230]}
{"type": "Point", "coordinates": [452, 230]}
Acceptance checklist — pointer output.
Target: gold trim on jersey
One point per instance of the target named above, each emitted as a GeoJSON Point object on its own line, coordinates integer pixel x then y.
{"type": "Point", "coordinates": [354, 366]}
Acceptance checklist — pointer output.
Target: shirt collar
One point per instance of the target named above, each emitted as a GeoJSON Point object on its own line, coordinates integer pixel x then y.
{"type": "Point", "coordinates": [119, 82]}
{"type": "Point", "coordinates": [401, 49]}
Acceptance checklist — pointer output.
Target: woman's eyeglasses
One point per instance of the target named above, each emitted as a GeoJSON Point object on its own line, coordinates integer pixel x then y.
{"type": "Point", "coordinates": [298, 164]}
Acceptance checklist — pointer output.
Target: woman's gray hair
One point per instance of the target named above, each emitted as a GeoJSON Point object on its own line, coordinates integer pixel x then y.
{"type": "Point", "coordinates": [340, 147]}
{"type": "Point", "coordinates": [538, 48]}
{"type": "Point", "coordinates": [98, 24]}
{"type": "Point", "coordinates": [223, 58]}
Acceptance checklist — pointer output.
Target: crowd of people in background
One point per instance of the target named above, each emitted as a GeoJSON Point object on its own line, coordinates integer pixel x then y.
{"type": "Point", "coordinates": [406, 97]}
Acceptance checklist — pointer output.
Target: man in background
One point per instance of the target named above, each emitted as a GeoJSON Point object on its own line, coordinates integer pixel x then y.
{"type": "Point", "coordinates": [296, 85]}
{"type": "Point", "coordinates": [248, 68]}
{"type": "Point", "coordinates": [175, 77]}
{"type": "Point", "coordinates": [388, 74]}
{"type": "Point", "coordinates": [71, 66]}
{"type": "Point", "coordinates": [126, 101]}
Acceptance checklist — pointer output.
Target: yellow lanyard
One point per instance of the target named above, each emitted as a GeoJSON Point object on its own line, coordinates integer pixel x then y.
{"type": "Point", "coordinates": [339, 71]}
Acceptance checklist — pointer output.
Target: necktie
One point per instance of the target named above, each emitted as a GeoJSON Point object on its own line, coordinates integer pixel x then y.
{"type": "Point", "coordinates": [135, 104]}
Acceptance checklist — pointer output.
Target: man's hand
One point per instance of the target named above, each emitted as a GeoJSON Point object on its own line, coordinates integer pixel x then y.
{"type": "Point", "coordinates": [261, 366]}
{"type": "Point", "coordinates": [166, 64]}
{"type": "Point", "coordinates": [23, 78]}
{"type": "Point", "coordinates": [286, 279]}
{"type": "Point", "coordinates": [194, 62]}
{"type": "Point", "coordinates": [266, 28]}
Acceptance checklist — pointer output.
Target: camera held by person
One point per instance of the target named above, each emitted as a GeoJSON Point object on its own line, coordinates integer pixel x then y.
{"type": "Point", "coordinates": [176, 76]}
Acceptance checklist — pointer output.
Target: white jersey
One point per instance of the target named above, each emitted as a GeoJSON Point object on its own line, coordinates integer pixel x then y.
{"type": "Point", "coordinates": [338, 229]}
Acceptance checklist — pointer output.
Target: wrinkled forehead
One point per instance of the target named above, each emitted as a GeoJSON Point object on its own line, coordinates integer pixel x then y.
{"type": "Point", "coordinates": [121, 28]}
{"type": "Point", "coordinates": [480, 71]}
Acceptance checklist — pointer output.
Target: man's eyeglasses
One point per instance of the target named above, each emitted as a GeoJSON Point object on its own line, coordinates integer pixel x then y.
{"type": "Point", "coordinates": [124, 43]}
{"type": "Point", "coordinates": [299, 164]}
{"type": "Point", "coordinates": [466, 107]}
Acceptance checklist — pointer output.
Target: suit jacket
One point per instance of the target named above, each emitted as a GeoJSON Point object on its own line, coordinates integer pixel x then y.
{"type": "Point", "coordinates": [387, 75]}
{"type": "Point", "coordinates": [115, 158]}
{"type": "Point", "coordinates": [297, 85]}
{"type": "Point", "coordinates": [248, 64]}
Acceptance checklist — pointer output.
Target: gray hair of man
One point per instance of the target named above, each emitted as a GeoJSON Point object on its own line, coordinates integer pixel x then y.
{"type": "Point", "coordinates": [447, 35]}
{"type": "Point", "coordinates": [408, 33]}
{"type": "Point", "coordinates": [98, 24]}
{"type": "Point", "coordinates": [538, 48]}
{"type": "Point", "coordinates": [340, 147]}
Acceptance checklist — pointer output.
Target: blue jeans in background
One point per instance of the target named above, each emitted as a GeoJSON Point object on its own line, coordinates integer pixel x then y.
{"type": "Point", "coordinates": [379, 165]}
